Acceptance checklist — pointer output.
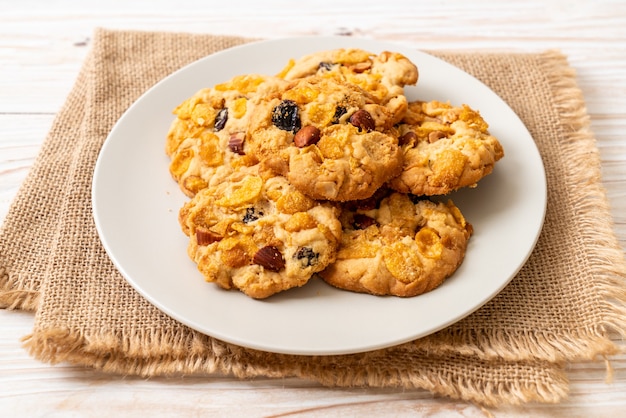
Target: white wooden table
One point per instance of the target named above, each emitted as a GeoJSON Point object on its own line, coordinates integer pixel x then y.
{"type": "Point", "coordinates": [42, 46]}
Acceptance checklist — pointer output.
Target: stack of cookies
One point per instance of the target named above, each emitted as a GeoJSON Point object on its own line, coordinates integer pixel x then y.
{"type": "Point", "coordinates": [326, 168]}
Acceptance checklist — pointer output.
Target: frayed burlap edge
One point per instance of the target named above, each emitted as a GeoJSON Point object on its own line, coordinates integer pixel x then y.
{"type": "Point", "coordinates": [605, 256]}
{"type": "Point", "coordinates": [14, 297]}
{"type": "Point", "coordinates": [207, 356]}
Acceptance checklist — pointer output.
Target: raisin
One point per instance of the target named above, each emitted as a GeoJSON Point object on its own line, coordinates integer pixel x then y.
{"type": "Point", "coordinates": [339, 112]}
{"type": "Point", "coordinates": [306, 256]}
{"type": "Point", "coordinates": [251, 215]}
{"type": "Point", "coordinates": [286, 116]}
{"type": "Point", "coordinates": [325, 65]}
{"type": "Point", "coordinates": [220, 119]}
{"type": "Point", "coordinates": [361, 221]}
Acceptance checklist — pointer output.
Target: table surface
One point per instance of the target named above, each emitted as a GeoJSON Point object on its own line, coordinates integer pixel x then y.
{"type": "Point", "coordinates": [42, 46]}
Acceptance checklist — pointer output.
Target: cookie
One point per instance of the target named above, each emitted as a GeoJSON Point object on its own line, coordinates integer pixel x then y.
{"type": "Point", "coordinates": [332, 140]}
{"type": "Point", "coordinates": [393, 245]}
{"type": "Point", "coordinates": [382, 75]}
{"type": "Point", "coordinates": [206, 140]}
{"type": "Point", "coordinates": [445, 148]}
{"type": "Point", "coordinates": [256, 233]}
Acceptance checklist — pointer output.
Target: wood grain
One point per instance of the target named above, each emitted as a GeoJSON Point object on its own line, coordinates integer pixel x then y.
{"type": "Point", "coordinates": [42, 46]}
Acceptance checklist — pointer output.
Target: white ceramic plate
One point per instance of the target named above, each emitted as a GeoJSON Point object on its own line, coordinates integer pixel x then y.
{"type": "Point", "coordinates": [135, 204]}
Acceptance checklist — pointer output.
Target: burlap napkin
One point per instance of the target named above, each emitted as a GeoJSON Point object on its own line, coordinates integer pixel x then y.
{"type": "Point", "coordinates": [561, 306]}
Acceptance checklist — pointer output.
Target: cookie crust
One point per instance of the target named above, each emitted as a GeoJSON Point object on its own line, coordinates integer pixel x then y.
{"type": "Point", "coordinates": [256, 233]}
{"type": "Point", "coordinates": [382, 75]}
{"type": "Point", "coordinates": [355, 150]}
{"type": "Point", "coordinates": [206, 141]}
{"type": "Point", "coordinates": [444, 148]}
{"type": "Point", "coordinates": [398, 247]}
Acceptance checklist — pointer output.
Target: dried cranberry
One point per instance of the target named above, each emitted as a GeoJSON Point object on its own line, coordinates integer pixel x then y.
{"type": "Point", "coordinates": [286, 116]}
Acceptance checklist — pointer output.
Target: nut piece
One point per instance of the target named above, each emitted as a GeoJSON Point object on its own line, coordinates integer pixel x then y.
{"type": "Point", "coordinates": [308, 135]}
{"type": "Point", "coordinates": [407, 138]}
{"type": "Point", "coordinates": [270, 258]}
{"type": "Point", "coordinates": [205, 236]}
{"type": "Point", "coordinates": [435, 136]}
{"type": "Point", "coordinates": [361, 66]}
{"type": "Point", "coordinates": [363, 120]}
{"type": "Point", "coordinates": [235, 143]}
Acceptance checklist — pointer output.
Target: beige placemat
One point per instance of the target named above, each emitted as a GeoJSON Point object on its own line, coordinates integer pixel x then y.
{"type": "Point", "coordinates": [560, 307]}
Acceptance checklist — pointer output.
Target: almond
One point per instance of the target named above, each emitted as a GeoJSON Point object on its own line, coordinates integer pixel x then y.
{"type": "Point", "coordinates": [270, 258]}
{"type": "Point", "coordinates": [306, 136]}
{"type": "Point", "coordinates": [205, 236]}
{"type": "Point", "coordinates": [363, 120]}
